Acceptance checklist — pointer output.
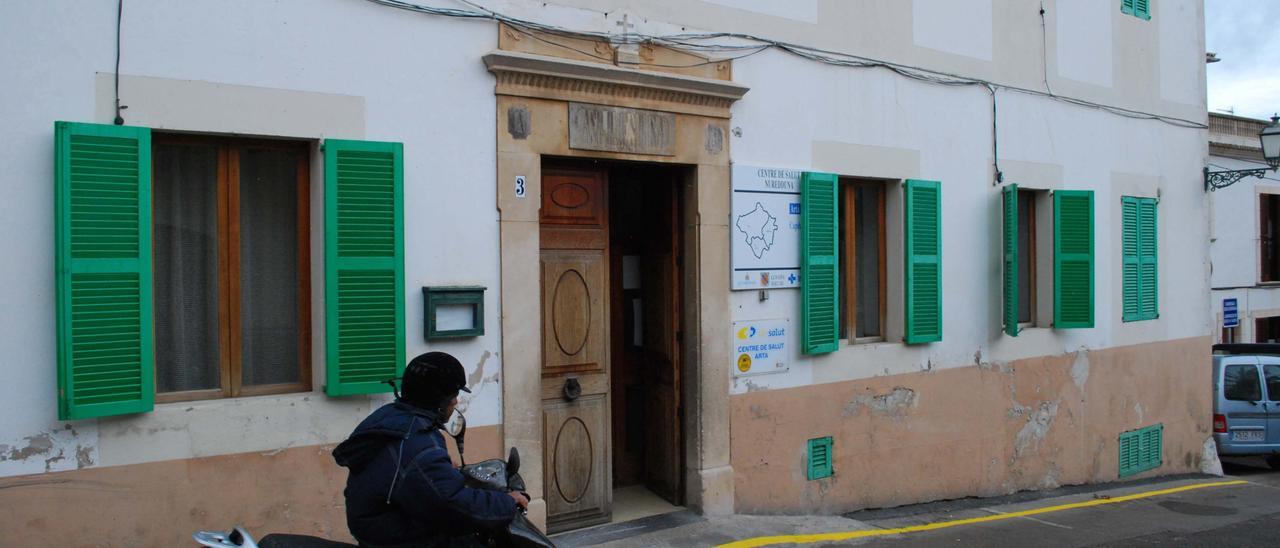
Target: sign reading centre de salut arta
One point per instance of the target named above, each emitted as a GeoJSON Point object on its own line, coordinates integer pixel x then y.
{"type": "Point", "coordinates": [619, 129]}
{"type": "Point", "coordinates": [764, 227]}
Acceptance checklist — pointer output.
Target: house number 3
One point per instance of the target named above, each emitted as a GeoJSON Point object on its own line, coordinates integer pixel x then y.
{"type": "Point", "coordinates": [520, 186]}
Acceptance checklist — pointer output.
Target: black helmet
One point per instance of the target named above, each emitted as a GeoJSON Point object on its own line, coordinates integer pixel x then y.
{"type": "Point", "coordinates": [432, 377]}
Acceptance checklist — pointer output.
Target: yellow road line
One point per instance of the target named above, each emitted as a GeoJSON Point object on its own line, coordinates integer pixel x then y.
{"type": "Point", "coordinates": [865, 533]}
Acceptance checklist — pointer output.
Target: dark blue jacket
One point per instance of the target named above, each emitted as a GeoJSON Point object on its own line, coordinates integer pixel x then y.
{"type": "Point", "coordinates": [403, 490]}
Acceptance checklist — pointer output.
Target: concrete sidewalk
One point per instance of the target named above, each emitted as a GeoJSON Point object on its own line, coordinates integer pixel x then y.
{"type": "Point", "coordinates": [1176, 509]}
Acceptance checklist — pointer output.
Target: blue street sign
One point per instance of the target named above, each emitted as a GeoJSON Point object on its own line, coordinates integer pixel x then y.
{"type": "Point", "coordinates": [1230, 315]}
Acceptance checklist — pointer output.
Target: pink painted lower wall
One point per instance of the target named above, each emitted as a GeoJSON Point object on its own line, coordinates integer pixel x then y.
{"type": "Point", "coordinates": [979, 430]}
{"type": "Point", "coordinates": [296, 490]}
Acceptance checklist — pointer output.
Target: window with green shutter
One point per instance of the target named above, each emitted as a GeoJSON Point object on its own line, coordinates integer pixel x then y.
{"type": "Point", "coordinates": [1009, 196]}
{"type": "Point", "coordinates": [819, 268]}
{"type": "Point", "coordinates": [102, 193]}
{"type": "Point", "coordinates": [1140, 265]}
{"type": "Point", "coordinates": [1073, 253]}
{"type": "Point", "coordinates": [364, 265]}
{"type": "Point", "coordinates": [1137, 8]}
{"type": "Point", "coordinates": [923, 254]}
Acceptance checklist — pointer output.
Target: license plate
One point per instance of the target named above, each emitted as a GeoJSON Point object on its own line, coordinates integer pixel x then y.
{"type": "Point", "coordinates": [1247, 435]}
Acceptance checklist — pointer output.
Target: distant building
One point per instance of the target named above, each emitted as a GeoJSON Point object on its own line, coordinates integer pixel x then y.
{"type": "Point", "coordinates": [1245, 235]}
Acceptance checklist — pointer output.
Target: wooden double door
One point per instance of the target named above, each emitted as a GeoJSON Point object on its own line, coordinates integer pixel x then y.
{"type": "Point", "coordinates": [582, 307]}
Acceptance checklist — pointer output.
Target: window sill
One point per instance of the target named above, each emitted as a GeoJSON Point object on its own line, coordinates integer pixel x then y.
{"type": "Point", "coordinates": [868, 343]}
{"type": "Point", "coordinates": [245, 392]}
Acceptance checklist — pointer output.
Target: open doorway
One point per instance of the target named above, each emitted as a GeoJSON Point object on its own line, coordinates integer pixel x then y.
{"type": "Point", "coordinates": [611, 271]}
{"type": "Point", "coordinates": [645, 256]}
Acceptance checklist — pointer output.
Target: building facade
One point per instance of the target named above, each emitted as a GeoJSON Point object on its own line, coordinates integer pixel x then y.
{"type": "Point", "coordinates": [852, 255]}
{"type": "Point", "coordinates": [1244, 236]}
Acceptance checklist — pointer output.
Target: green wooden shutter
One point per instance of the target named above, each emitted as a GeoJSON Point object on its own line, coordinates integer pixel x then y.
{"type": "Point", "coordinates": [1141, 450]}
{"type": "Point", "coordinates": [1149, 307]}
{"type": "Point", "coordinates": [102, 197]}
{"type": "Point", "coordinates": [1010, 196]}
{"type": "Point", "coordinates": [923, 255]}
{"type": "Point", "coordinates": [819, 458]}
{"type": "Point", "coordinates": [364, 265]}
{"type": "Point", "coordinates": [1142, 9]}
{"type": "Point", "coordinates": [1073, 259]}
{"type": "Point", "coordinates": [1126, 7]}
{"type": "Point", "coordinates": [1131, 275]}
{"type": "Point", "coordinates": [819, 267]}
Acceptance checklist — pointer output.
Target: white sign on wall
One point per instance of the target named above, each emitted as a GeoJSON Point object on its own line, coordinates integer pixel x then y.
{"type": "Point", "coordinates": [764, 227]}
{"type": "Point", "coordinates": [760, 347]}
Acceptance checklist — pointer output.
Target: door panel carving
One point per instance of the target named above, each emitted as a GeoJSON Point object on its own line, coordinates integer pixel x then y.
{"type": "Point", "coordinates": [578, 491]}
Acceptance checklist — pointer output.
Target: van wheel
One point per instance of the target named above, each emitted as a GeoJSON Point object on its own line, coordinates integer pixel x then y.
{"type": "Point", "coordinates": [1274, 462]}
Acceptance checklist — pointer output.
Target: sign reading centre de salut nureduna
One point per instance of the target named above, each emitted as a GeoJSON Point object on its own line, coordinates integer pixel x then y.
{"type": "Point", "coordinates": [764, 227]}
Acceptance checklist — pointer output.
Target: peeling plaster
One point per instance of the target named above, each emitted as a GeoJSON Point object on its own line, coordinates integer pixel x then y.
{"type": "Point", "coordinates": [477, 381]}
{"type": "Point", "coordinates": [39, 444]}
{"type": "Point", "coordinates": [84, 457]}
{"type": "Point", "coordinates": [50, 450]}
{"type": "Point", "coordinates": [1037, 427]}
{"type": "Point", "coordinates": [1080, 369]}
{"type": "Point", "coordinates": [891, 404]}
{"type": "Point", "coordinates": [1142, 416]}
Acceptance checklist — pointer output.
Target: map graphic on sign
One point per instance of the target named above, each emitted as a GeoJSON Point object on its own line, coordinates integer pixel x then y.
{"type": "Point", "coordinates": [758, 227]}
{"type": "Point", "coordinates": [764, 227]}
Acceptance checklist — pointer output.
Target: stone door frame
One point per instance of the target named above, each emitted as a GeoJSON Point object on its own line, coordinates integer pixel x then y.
{"type": "Point", "coordinates": [534, 93]}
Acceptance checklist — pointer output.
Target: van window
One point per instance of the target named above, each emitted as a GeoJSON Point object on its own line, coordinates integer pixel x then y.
{"type": "Point", "coordinates": [1241, 383]}
{"type": "Point", "coordinates": [1272, 372]}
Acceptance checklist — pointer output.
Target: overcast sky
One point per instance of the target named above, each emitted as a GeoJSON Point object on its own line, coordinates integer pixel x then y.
{"type": "Point", "coordinates": [1246, 36]}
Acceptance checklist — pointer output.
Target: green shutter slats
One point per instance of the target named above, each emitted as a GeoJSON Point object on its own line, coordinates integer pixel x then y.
{"type": "Point", "coordinates": [1126, 7]}
{"type": "Point", "coordinates": [1009, 196]}
{"type": "Point", "coordinates": [364, 250]}
{"type": "Point", "coordinates": [103, 268]}
{"type": "Point", "coordinates": [819, 267]}
{"type": "Point", "coordinates": [1149, 266]}
{"type": "Point", "coordinates": [820, 457]}
{"type": "Point", "coordinates": [1130, 270]}
{"type": "Point", "coordinates": [1142, 9]}
{"type": "Point", "coordinates": [1140, 272]}
{"type": "Point", "coordinates": [923, 254]}
{"type": "Point", "coordinates": [1141, 450]}
{"type": "Point", "coordinates": [1073, 259]}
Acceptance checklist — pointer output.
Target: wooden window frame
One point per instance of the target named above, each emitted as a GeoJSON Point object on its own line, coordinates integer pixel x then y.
{"type": "Point", "coordinates": [1268, 270]}
{"type": "Point", "coordinates": [1029, 195]}
{"type": "Point", "coordinates": [848, 220]}
{"type": "Point", "coordinates": [230, 364]}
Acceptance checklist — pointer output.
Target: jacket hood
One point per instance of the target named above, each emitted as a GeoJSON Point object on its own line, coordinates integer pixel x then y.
{"type": "Point", "coordinates": [393, 421]}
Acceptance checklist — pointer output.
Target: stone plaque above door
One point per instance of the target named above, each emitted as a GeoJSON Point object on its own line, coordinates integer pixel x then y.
{"type": "Point", "coordinates": [621, 129]}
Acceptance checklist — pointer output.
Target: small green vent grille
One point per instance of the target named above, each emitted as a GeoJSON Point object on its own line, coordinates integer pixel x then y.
{"type": "Point", "coordinates": [1141, 449]}
{"type": "Point", "coordinates": [820, 458]}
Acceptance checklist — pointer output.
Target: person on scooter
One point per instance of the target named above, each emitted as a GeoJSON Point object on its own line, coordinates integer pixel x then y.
{"type": "Point", "coordinates": [402, 488]}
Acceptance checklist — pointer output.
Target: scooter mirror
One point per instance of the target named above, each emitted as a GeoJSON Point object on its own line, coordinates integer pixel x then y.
{"type": "Point", "coordinates": [457, 425]}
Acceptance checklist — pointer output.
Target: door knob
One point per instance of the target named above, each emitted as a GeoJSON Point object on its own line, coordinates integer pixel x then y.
{"type": "Point", "coordinates": [572, 389]}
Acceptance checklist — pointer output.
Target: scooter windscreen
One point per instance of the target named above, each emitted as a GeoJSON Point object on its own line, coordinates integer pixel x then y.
{"type": "Point", "coordinates": [490, 474]}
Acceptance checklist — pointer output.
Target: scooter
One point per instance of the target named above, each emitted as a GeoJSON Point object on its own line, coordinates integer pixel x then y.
{"type": "Point", "coordinates": [492, 474]}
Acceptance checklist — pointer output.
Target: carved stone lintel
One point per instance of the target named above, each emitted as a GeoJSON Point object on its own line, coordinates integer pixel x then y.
{"type": "Point", "coordinates": [619, 129]}
{"type": "Point", "coordinates": [528, 75]}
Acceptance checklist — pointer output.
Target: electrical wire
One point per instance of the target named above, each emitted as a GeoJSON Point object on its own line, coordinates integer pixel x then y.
{"type": "Point", "coordinates": [119, 121]}
{"type": "Point", "coordinates": [757, 44]}
{"type": "Point", "coordinates": [1044, 49]}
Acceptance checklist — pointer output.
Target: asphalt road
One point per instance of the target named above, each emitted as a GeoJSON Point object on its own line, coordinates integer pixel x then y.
{"type": "Point", "coordinates": [1242, 515]}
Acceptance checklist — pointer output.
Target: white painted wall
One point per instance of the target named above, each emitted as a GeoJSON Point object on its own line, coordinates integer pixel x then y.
{"type": "Point", "coordinates": [390, 66]}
